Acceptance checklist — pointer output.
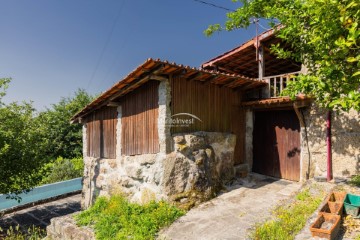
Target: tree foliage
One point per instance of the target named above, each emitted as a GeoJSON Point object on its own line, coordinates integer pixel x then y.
{"type": "Point", "coordinates": [29, 140]}
{"type": "Point", "coordinates": [63, 138]}
{"type": "Point", "coordinates": [4, 83]}
{"type": "Point", "coordinates": [21, 145]}
{"type": "Point", "coordinates": [62, 169]}
{"type": "Point", "coordinates": [323, 35]}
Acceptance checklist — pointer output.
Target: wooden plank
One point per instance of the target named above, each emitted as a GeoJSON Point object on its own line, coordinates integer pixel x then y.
{"type": "Point", "coordinates": [217, 107]}
{"type": "Point", "coordinates": [101, 138]}
{"type": "Point", "coordinates": [139, 122]}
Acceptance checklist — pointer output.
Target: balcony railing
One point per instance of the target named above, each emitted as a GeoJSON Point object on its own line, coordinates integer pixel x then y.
{"type": "Point", "coordinates": [279, 82]}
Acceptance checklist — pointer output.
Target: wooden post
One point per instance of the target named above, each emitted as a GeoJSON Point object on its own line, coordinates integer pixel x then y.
{"type": "Point", "coordinates": [261, 61]}
{"type": "Point", "coordinates": [275, 87]}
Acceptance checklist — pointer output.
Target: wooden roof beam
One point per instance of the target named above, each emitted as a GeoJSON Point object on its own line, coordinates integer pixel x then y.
{"type": "Point", "coordinates": [131, 86]}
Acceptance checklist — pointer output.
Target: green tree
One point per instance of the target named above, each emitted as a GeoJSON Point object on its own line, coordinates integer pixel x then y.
{"type": "Point", "coordinates": [29, 141]}
{"type": "Point", "coordinates": [21, 146]}
{"type": "Point", "coordinates": [4, 83]}
{"type": "Point", "coordinates": [64, 139]}
{"type": "Point", "coordinates": [323, 35]}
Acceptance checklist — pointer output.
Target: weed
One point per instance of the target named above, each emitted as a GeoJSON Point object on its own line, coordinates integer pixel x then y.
{"type": "Point", "coordinates": [290, 219]}
{"type": "Point", "coordinates": [117, 218]}
{"type": "Point", "coordinates": [355, 180]}
{"type": "Point", "coordinates": [303, 195]}
{"type": "Point", "coordinates": [14, 233]}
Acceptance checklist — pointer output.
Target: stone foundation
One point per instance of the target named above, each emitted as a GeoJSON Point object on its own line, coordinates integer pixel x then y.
{"type": "Point", "coordinates": [138, 177]}
{"type": "Point", "coordinates": [198, 167]}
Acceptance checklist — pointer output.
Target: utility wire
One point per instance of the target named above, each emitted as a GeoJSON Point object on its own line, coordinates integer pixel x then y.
{"type": "Point", "coordinates": [263, 27]}
{"type": "Point", "coordinates": [214, 5]}
{"type": "Point", "coordinates": [228, 9]}
{"type": "Point", "coordinates": [106, 44]}
{"type": "Point", "coordinates": [118, 54]}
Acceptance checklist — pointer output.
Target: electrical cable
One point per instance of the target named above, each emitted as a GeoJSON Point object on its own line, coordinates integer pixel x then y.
{"type": "Point", "coordinates": [214, 5]}
{"type": "Point", "coordinates": [263, 27]}
{"type": "Point", "coordinates": [112, 65]}
{"type": "Point", "coordinates": [105, 46]}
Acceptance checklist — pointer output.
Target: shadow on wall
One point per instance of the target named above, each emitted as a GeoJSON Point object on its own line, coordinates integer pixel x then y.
{"type": "Point", "coordinates": [345, 139]}
{"type": "Point", "coordinates": [91, 182]}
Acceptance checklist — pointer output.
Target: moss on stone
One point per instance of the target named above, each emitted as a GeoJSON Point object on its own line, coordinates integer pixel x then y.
{"type": "Point", "coordinates": [189, 199]}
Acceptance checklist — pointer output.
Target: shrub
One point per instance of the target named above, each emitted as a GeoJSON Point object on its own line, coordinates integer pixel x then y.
{"type": "Point", "coordinates": [117, 218]}
{"type": "Point", "coordinates": [33, 233]}
{"type": "Point", "coordinates": [62, 169]}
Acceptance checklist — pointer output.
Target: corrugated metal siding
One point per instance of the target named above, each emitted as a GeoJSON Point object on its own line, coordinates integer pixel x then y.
{"type": "Point", "coordinates": [217, 107]}
{"type": "Point", "coordinates": [140, 119]}
{"type": "Point", "coordinates": [101, 133]}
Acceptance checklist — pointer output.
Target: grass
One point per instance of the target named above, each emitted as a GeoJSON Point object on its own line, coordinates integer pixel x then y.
{"type": "Point", "coordinates": [355, 180]}
{"type": "Point", "coordinates": [289, 220]}
{"type": "Point", "coordinates": [117, 218]}
{"type": "Point", "coordinates": [13, 233]}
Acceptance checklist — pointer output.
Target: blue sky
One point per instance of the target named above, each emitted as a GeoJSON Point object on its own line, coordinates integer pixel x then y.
{"type": "Point", "coordinates": [51, 48]}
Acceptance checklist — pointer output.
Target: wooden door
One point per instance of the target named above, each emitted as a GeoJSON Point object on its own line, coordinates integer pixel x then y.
{"type": "Point", "coordinates": [276, 144]}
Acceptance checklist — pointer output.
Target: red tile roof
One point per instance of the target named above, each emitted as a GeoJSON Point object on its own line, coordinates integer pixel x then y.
{"type": "Point", "coordinates": [155, 69]}
{"type": "Point", "coordinates": [242, 59]}
{"type": "Point", "coordinates": [279, 101]}
{"type": "Point", "coordinates": [251, 42]}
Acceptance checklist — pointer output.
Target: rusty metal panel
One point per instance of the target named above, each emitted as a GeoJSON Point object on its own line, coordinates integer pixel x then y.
{"type": "Point", "coordinates": [101, 133]}
{"type": "Point", "coordinates": [217, 107]}
{"type": "Point", "coordinates": [139, 120]}
{"type": "Point", "coordinates": [276, 144]}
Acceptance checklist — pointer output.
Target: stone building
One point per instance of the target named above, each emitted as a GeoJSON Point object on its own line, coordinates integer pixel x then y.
{"type": "Point", "coordinates": [168, 131]}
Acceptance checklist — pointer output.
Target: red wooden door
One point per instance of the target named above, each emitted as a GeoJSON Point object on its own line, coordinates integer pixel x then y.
{"type": "Point", "coordinates": [276, 144]}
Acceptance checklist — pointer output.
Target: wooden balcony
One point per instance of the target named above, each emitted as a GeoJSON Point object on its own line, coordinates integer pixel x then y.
{"type": "Point", "coordinates": [277, 83]}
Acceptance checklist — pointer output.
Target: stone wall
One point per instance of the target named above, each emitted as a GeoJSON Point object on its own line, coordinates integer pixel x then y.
{"type": "Point", "coordinates": [345, 143]}
{"type": "Point", "coordinates": [201, 163]}
{"type": "Point", "coordinates": [199, 167]}
{"type": "Point", "coordinates": [164, 113]}
{"type": "Point", "coordinates": [136, 176]}
{"type": "Point", "coordinates": [65, 228]}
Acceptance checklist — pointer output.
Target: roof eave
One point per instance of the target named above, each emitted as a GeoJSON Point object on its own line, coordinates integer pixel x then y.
{"type": "Point", "coordinates": [156, 70]}
{"type": "Point", "coordinates": [252, 42]}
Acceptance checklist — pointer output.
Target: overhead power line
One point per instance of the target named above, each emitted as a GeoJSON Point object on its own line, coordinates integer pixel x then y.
{"type": "Point", "coordinates": [118, 54]}
{"type": "Point", "coordinates": [106, 44]}
{"type": "Point", "coordinates": [228, 9]}
{"type": "Point", "coordinates": [214, 5]}
{"type": "Point", "coordinates": [265, 28]}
